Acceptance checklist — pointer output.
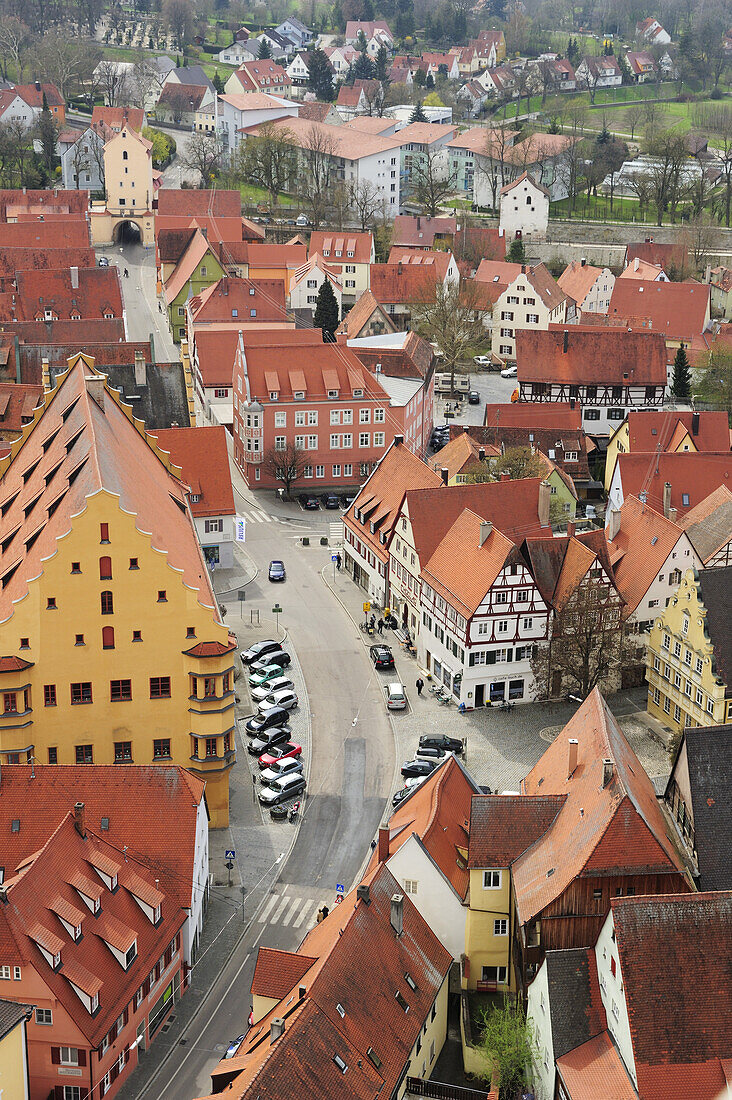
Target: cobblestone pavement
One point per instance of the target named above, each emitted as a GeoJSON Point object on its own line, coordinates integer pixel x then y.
{"type": "Point", "coordinates": [501, 746]}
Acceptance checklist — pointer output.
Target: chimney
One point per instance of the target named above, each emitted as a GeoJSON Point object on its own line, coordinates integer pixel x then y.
{"type": "Point", "coordinates": [583, 262]}
{"type": "Point", "coordinates": [444, 474]}
{"type": "Point", "coordinates": [362, 894]}
{"type": "Point", "coordinates": [565, 341]}
{"type": "Point", "coordinates": [276, 1028]}
{"type": "Point", "coordinates": [481, 454]}
{"type": "Point", "coordinates": [523, 269]}
{"type": "Point", "coordinates": [74, 278]}
{"type": "Point", "coordinates": [95, 388]}
{"type": "Point", "coordinates": [486, 528]}
{"type": "Point", "coordinates": [79, 822]}
{"type": "Point", "coordinates": [383, 850]}
{"type": "Point", "coordinates": [397, 913]}
{"type": "Point", "coordinates": [607, 772]}
{"type": "Point", "coordinates": [695, 423]}
{"type": "Point", "coordinates": [505, 476]}
{"type": "Point", "coordinates": [571, 529]}
{"type": "Point", "coordinates": [399, 269]}
{"type": "Point", "coordinates": [341, 338]}
{"type": "Point", "coordinates": [672, 513]}
{"type": "Point", "coordinates": [667, 499]}
{"type": "Point", "coordinates": [573, 746]}
{"type": "Point", "coordinates": [377, 368]}
{"type": "Point", "coordinates": [140, 369]}
{"type": "Point", "coordinates": [636, 263]}
{"type": "Point", "coordinates": [613, 525]}
{"type": "Point", "coordinates": [398, 440]}
{"type": "Point", "coordinates": [545, 492]}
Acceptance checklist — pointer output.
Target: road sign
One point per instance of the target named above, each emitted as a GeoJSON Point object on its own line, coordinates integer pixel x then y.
{"type": "Point", "coordinates": [230, 853]}
{"type": "Point", "coordinates": [241, 594]}
{"type": "Point", "coordinates": [339, 899]}
{"type": "Point", "coordinates": [366, 608]}
{"type": "Point", "coordinates": [340, 888]}
{"type": "Point", "coordinates": [334, 557]}
{"type": "Point", "coordinates": [276, 610]}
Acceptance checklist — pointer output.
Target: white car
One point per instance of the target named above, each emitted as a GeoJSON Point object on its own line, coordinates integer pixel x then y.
{"type": "Point", "coordinates": [482, 360]}
{"type": "Point", "coordinates": [301, 220]}
{"type": "Point", "coordinates": [287, 699]}
{"type": "Point", "coordinates": [509, 372]}
{"type": "Point", "coordinates": [281, 683]}
{"type": "Point", "coordinates": [396, 697]}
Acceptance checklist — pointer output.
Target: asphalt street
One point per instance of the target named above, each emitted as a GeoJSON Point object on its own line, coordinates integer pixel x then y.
{"type": "Point", "coordinates": [351, 776]}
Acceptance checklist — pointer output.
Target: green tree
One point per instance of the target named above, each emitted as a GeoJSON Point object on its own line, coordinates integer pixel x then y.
{"type": "Point", "coordinates": [714, 386]}
{"type": "Point", "coordinates": [507, 1038]}
{"type": "Point", "coordinates": [47, 134]}
{"type": "Point", "coordinates": [326, 312]}
{"type": "Point", "coordinates": [382, 64]}
{"type": "Point", "coordinates": [320, 76]}
{"type": "Point", "coordinates": [264, 53]}
{"type": "Point", "coordinates": [418, 114]}
{"type": "Point", "coordinates": [681, 387]}
{"type": "Point", "coordinates": [218, 82]}
{"type": "Point", "coordinates": [363, 68]}
{"type": "Point", "coordinates": [516, 253]}
{"type": "Point", "coordinates": [163, 146]}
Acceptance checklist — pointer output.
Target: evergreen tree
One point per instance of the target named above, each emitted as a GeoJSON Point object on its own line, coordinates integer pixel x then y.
{"type": "Point", "coordinates": [218, 82]}
{"type": "Point", "coordinates": [320, 78]}
{"type": "Point", "coordinates": [496, 8]}
{"type": "Point", "coordinates": [516, 253]}
{"type": "Point", "coordinates": [47, 134]}
{"type": "Point", "coordinates": [367, 12]}
{"type": "Point", "coordinates": [264, 53]}
{"type": "Point", "coordinates": [364, 68]}
{"type": "Point", "coordinates": [429, 81]}
{"type": "Point", "coordinates": [382, 64]}
{"type": "Point", "coordinates": [681, 387]}
{"type": "Point", "coordinates": [326, 312]}
{"type": "Point", "coordinates": [418, 114]}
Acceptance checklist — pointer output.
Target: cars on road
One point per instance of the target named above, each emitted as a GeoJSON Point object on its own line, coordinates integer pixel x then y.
{"type": "Point", "coordinates": [302, 220]}
{"type": "Point", "coordinates": [289, 765]}
{"type": "Point", "coordinates": [282, 789]}
{"type": "Point", "coordinates": [277, 571]}
{"type": "Point", "coordinates": [270, 739]}
{"type": "Point", "coordinates": [400, 795]}
{"type": "Point", "coordinates": [279, 658]}
{"type": "Point", "coordinates": [264, 675]}
{"type": "Point", "coordinates": [103, 261]}
{"type": "Point", "coordinates": [280, 752]}
{"type": "Point", "coordinates": [284, 699]}
{"type": "Point", "coordinates": [482, 360]}
{"type": "Point", "coordinates": [430, 754]}
{"type": "Point", "coordinates": [396, 696]}
{"type": "Point", "coordinates": [509, 372]}
{"type": "Point", "coordinates": [418, 767]}
{"type": "Point", "coordinates": [259, 650]}
{"type": "Point", "coordinates": [382, 656]}
{"type": "Point", "coordinates": [474, 398]}
{"type": "Point", "coordinates": [441, 741]}
{"type": "Point", "coordinates": [277, 716]}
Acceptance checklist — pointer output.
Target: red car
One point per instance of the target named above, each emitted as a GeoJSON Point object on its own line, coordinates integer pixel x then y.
{"type": "Point", "coordinates": [290, 748]}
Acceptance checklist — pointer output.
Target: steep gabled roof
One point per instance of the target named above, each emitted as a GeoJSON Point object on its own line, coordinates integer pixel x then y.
{"type": "Point", "coordinates": [640, 548]}
{"type": "Point", "coordinates": [575, 1006]}
{"type": "Point", "coordinates": [692, 477]}
{"type": "Point", "coordinates": [709, 524]}
{"type": "Point", "coordinates": [419, 232]}
{"type": "Point", "coordinates": [558, 565]}
{"type": "Point", "coordinates": [503, 826]}
{"type": "Point", "coordinates": [602, 355]}
{"type": "Point", "coordinates": [361, 313]}
{"type": "Point", "coordinates": [709, 765]}
{"type": "Point", "coordinates": [578, 279]}
{"type": "Point", "coordinates": [676, 310]}
{"type": "Point", "coordinates": [203, 457]}
{"type": "Point", "coordinates": [649, 429]}
{"type": "Point", "coordinates": [460, 569]}
{"type": "Point", "coordinates": [187, 264]}
{"type": "Point", "coordinates": [232, 299]}
{"type": "Point", "coordinates": [98, 293]}
{"type": "Point", "coordinates": [392, 283]}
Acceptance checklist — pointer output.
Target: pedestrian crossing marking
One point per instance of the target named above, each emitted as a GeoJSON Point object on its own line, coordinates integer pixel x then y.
{"type": "Point", "coordinates": [291, 911]}
{"type": "Point", "coordinates": [283, 905]}
{"type": "Point", "coordinates": [285, 909]}
{"type": "Point", "coordinates": [255, 516]}
{"type": "Point", "coordinates": [268, 909]}
{"type": "Point", "coordinates": [303, 913]}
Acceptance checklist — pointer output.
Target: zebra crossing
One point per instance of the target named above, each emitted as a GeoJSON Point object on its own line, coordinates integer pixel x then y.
{"type": "Point", "coordinates": [292, 909]}
{"type": "Point", "coordinates": [254, 515]}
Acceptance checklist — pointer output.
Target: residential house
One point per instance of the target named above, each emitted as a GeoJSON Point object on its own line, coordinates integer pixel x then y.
{"type": "Point", "coordinates": [652, 31]}
{"type": "Point", "coordinates": [467, 153]}
{"type": "Point", "coordinates": [660, 431]}
{"type": "Point", "coordinates": [642, 67]}
{"type": "Point", "coordinates": [189, 74]}
{"type": "Point", "coordinates": [211, 358]}
{"type": "Point", "coordinates": [490, 47]}
{"type": "Point", "coordinates": [561, 438]}
{"type": "Point", "coordinates": [689, 668]}
{"type": "Point", "coordinates": [82, 159]}
{"type": "Point", "coordinates": [298, 72]}
{"type": "Point", "coordinates": [363, 97]}
{"type": "Point", "coordinates": [424, 154]}
{"type": "Point", "coordinates": [237, 53]}
{"type": "Point", "coordinates": [234, 303]}
{"type": "Point", "coordinates": [319, 112]}
{"type": "Point", "coordinates": [397, 287]}
{"type": "Point", "coordinates": [122, 492]}
{"type": "Point", "coordinates": [258, 76]}
{"type": "Point", "coordinates": [590, 287]}
{"type": "Point", "coordinates": [475, 97]}
{"type": "Point", "coordinates": [499, 82]}
{"type": "Point", "coordinates": [73, 232]}
{"type": "Point", "coordinates": [373, 124]}
{"type": "Point", "coordinates": [599, 72]}
{"type": "Point", "coordinates": [641, 269]}
{"type": "Point", "coordinates": [425, 847]}
{"type": "Point", "coordinates": [290, 390]}
{"type": "Point", "coordinates": [607, 1010]}
{"type": "Point", "coordinates": [420, 232]}
{"type": "Point", "coordinates": [382, 1033]}
{"type": "Point", "coordinates": [526, 300]}
{"type": "Point", "coordinates": [551, 74]}
{"type": "Point", "coordinates": [468, 60]}
{"type": "Point", "coordinates": [443, 263]}
{"type": "Point", "coordinates": [487, 160]}
{"type": "Point", "coordinates": [341, 58]}
{"type": "Point", "coordinates": [24, 103]}
{"type": "Point", "coordinates": [720, 280]}
{"type": "Point", "coordinates": [671, 483]}
{"type": "Point", "coordinates": [440, 64]}
{"type": "Point", "coordinates": [280, 46]}
{"type": "Point", "coordinates": [523, 210]}
{"type": "Point", "coordinates": [239, 113]}
{"type": "Point", "coordinates": [182, 103]}
{"type": "Point", "coordinates": [546, 864]}
{"type": "Point", "coordinates": [73, 293]}
{"type": "Point", "coordinates": [671, 257]}
{"type": "Point", "coordinates": [696, 800]}
{"type": "Point", "coordinates": [203, 457]}
{"type": "Point", "coordinates": [365, 29]}
{"type": "Point", "coordinates": [198, 268]}
{"type": "Point", "coordinates": [17, 405]}
{"type": "Point", "coordinates": [305, 284]}
{"type": "Point", "coordinates": [294, 29]}
{"type": "Point", "coordinates": [607, 371]}
{"type": "Point", "coordinates": [366, 318]}
{"type": "Point", "coordinates": [709, 527]}
{"type": "Point", "coordinates": [348, 254]}
{"type": "Point", "coordinates": [14, 1018]}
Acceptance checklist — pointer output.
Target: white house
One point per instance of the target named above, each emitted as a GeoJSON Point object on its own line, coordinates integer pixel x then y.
{"type": "Point", "coordinates": [341, 58]}
{"type": "Point", "coordinates": [599, 72]}
{"type": "Point", "coordinates": [236, 54]}
{"type": "Point", "coordinates": [307, 281]}
{"type": "Point", "coordinates": [237, 113]}
{"type": "Point", "coordinates": [651, 31]}
{"type": "Point", "coordinates": [296, 31]}
{"type": "Point", "coordinates": [527, 300]}
{"type": "Point", "coordinates": [298, 71]}
{"type": "Point", "coordinates": [589, 287]}
{"type": "Point", "coordinates": [82, 163]}
{"type": "Point", "coordinates": [279, 45]}
{"type": "Point", "coordinates": [523, 209]}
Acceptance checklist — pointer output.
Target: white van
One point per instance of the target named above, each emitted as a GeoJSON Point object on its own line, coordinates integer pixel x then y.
{"type": "Point", "coordinates": [443, 379]}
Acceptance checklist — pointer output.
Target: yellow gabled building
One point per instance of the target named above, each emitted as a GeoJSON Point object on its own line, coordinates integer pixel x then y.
{"type": "Point", "coordinates": [689, 655]}
{"type": "Point", "coordinates": [113, 648]}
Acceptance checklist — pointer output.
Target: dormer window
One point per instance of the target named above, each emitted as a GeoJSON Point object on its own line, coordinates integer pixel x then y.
{"type": "Point", "coordinates": [299, 395]}
{"type": "Point", "coordinates": [358, 393]}
{"type": "Point", "coordinates": [274, 395]}
{"type": "Point", "coordinates": [156, 917]}
{"type": "Point", "coordinates": [332, 395]}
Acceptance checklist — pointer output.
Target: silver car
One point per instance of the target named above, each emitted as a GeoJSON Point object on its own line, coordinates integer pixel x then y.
{"type": "Point", "coordinates": [287, 786]}
{"type": "Point", "coordinates": [280, 683]}
{"type": "Point", "coordinates": [285, 698]}
{"type": "Point", "coordinates": [287, 766]}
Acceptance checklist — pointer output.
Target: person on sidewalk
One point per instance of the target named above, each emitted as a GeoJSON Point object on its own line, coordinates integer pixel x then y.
{"type": "Point", "coordinates": [420, 685]}
{"type": "Point", "coordinates": [338, 561]}
{"type": "Point", "coordinates": [320, 916]}
{"type": "Point", "coordinates": [380, 626]}
{"type": "Point", "coordinates": [325, 910]}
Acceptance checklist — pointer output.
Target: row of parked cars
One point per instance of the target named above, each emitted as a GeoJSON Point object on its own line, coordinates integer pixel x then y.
{"type": "Point", "coordinates": [332, 501]}
{"type": "Point", "coordinates": [430, 753]}
{"type": "Point", "coordinates": [270, 735]}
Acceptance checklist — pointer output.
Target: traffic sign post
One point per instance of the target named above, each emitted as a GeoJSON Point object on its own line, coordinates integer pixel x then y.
{"type": "Point", "coordinates": [340, 889]}
{"type": "Point", "coordinates": [334, 559]}
{"type": "Point", "coordinates": [277, 610]}
{"type": "Point", "coordinates": [230, 854]}
{"type": "Point", "coordinates": [242, 596]}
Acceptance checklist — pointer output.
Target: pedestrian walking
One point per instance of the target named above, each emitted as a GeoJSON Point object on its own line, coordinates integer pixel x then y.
{"type": "Point", "coordinates": [325, 911]}
{"type": "Point", "coordinates": [380, 626]}
{"type": "Point", "coordinates": [419, 685]}
{"type": "Point", "coordinates": [320, 916]}
{"type": "Point", "coordinates": [338, 561]}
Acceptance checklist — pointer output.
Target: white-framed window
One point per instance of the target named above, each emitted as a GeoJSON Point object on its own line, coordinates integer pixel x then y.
{"type": "Point", "coordinates": [307, 471]}
{"type": "Point", "coordinates": [699, 697]}
{"type": "Point", "coordinates": [5, 973]}
{"type": "Point", "coordinates": [364, 416]}
{"type": "Point", "coordinates": [300, 418]}
{"type": "Point", "coordinates": [379, 416]}
{"type": "Point", "coordinates": [570, 456]}
{"type": "Point", "coordinates": [379, 439]}
{"type": "Point", "coordinates": [699, 665]}
{"type": "Point", "coordinates": [312, 443]}
{"type": "Point", "coordinates": [491, 880]}
{"type": "Point", "coordinates": [68, 1056]}
{"type": "Point", "coordinates": [364, 439]}
{"type": "Point", "coordinates": [500, 926]}
{"type": "Point", "coordinates": [532, 318]}
{"type": "Point", "coordinates": [348, 469]}
{"type": "Point", "coordinates": [44, 1016]}
{"type": "Point", "coordinates": [336, 469]}
{"type": "Point", "coordinates": [334, 442]}
{"type": "Point", "coordinates": [320, 471]}
{"type": "Point", "coordinates": [280, 442]}
{"type": "Point", "coordinates": [505, 349]}
{"type": "Point", "coordinates": [410, 885]}
{"type": "Point", "coordinates": [300, 442]}
{"type": "Point", "coordinates": [528, 624]}
{"type": "Point", "coordinates": [501, 597]}
{"type": "Point", "coordinates": [312, 419]}
{"type": "Point", "coordinates": [685, 624]}
{"type": "Point", "coordinates": [280, 419]}
{"type": "Point", "coordinates": [502, 626]}
{"type": "Point", "coordinates": [335, 416]}
{"type": "Point", "coordinates": [221, 393]}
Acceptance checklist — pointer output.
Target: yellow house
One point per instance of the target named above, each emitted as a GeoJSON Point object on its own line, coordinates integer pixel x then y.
{"type": "Point", "coordinates": [14, 1050]}
{"type": "Point", "coordinates": [488, 927]}
{"type": "Point", "coordinates": [670, 432]}
{"type": "Point", "coordinates": [128, 172]}
{"type": "Point", "coordinates": [688, 656]}
{"type": "Point", "coordinates": [113, 646]}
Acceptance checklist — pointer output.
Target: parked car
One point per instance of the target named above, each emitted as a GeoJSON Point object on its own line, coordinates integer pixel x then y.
{"type": "Point", "coordinates": [259, 650]}
{"type": "Point", "coordinates": [309, 503]}
{"type": "Point", "coordinates": [277, 716]}
{"type": "Point", "coordinates": [332, 501]}
{"type": "Point", "coordinates": [269, 739]}
{"type": "Point", "coordinates": [280, 683]}
{"type": "Point", "coordinates": [280, 752]}
{"type": "Point", "coordinates": [348, 499]}
{"type": "Point", "coordinates": [400, 795]}
{"type": "Point", "coordinates": [302, 220]}
{"type": "Point", "coordinates": [233, 1048]}
{"type": "Point", "coordinates": [285, 698]}
{"type": "Point", "coordinates": [288, 766]}
{"type": "Point", "coordinates": [103, 261]}
{"type": "Point", "coordinates": [430, 754]}
{"type": "Point", "coordinates": [482, 360]}
{"type": "Point", "coordinates": [441, 741]}
{"type": "Point", "coordinates": [265, 675]}
{"type": "Point", "coordinates": [509, 372]}
{"type": "Point", "coordinates": [418, 767]}
{"type": "Point", "coordinates": [396, 697]}
{"type": "Point", "coordinates": [474, 398]}
{"type": "Point", "coordinates": [382, 656]}
{"type": "Point", "coordinates": [279, 657]}
{"type": "Point", "coordinates": [286, 787]}
{"type": "Point", "coordinates": [277, 571]}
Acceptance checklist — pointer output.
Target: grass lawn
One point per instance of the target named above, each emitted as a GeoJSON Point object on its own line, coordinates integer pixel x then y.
{"type": "Point", "coordinates": [624, 209]}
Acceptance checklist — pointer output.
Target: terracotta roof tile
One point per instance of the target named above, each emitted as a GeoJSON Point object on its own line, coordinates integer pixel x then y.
{"type": "Point", "coordinates": [277, 972]}
{"type": "Point", "coordinates": [460, 569]}
{"type": "Point", "coordinates": [641, 269]}
{"type": "Point", "coordinates": [647, 428]}
{"type": "Point", "coordinates": [419, 232]}
{"type": "Point", "coordinates": [203, 457]}
{"type": "Point", "coordinates": [692, 477]}
{"type": "Point", "coordinates": [558, 415]}
{"type": "Point", "coordinates": [416, 257]}
{"type": "Point", "coordinates": [666, 256]}
{"type": "Point", "coordinates": [314, 366]}
{"type": "Point", "coordinates": [676, 310]}
{"type": "Point", "coordinates": [361, 313]}
{"type": "Point", "coordinates": [33, 95]}
{"type": "Point", "coordinates": [503, 826]}
{"type": "Point", "coordinates": [360, 244]}
{"type": "Point", "coordinates": [602, 355]}
{"type": "Point", "coordinates": [97, 294]}
{"type": "Point", "coordinates": [596, 1069]}
{"type": "Point", "coordinates": [215, 350]}
{"type": "Point", "coordinates": [397, 283]}
{"type": "Point", "coordinates": [191, 203]}
{"type": "Point", "coordinates": [709, 524]}
{"type": "Point", "coordinates": [73, 232]}
{"type": "Point", "coordinates": [644, 542]}
{"type": "Point", "coordinates": [578, 279]}
{"type": "Point", "coordinates": [40, 257]}
{"type": "Point", "coordinates": [16, 405]}
{"type": "Point", "coordinates": [114, 118]}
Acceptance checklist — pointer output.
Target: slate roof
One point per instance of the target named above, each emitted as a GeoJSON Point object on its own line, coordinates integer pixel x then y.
{"type": "Point", "coordinates": [716, 595]}
{"type": "Point", "coordinates": [709, 524]}
{"type": "Point", "coordinates": [190, 74]}
{"type": "Point", "coordinates": [709, 764]}
{"type": "Point", "coordinates": [160, 402]}
{"type": "Point", "coordinates": [11, 1013]}
{"type": "Point", "coordinates": [575, 1006]}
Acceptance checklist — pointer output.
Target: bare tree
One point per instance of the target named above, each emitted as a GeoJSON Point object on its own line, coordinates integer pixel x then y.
{"type": "Point", "coordinates": [584, 649]}
{"type": "Point", "coordinates": [634, 117]}
{"type": "Point", "coordinates": [178, 20]}
{"type": "Point", "coordinates": [269, 159]}
{"type": "Point", "coordinates": [724, 153]}
{"type": "Point", "coordinates": [366, 201]}
{"type": "Point", "coordinates": [68, 63]}
{"type": "Point", "coordinates": [17, 142]}
{"type": "Point", "coordinates": [318, 172]}
{"type": "Point", "coordinates": [451, 317]}
{"type": "Point", "coordinates": [14, 39]}
{"type": "Point", "coordinates": [286, 466]}
{"type": "Point", "coordinates": [113, 82]}
{"type": "Point", "coordinates": [431, 180]}
{"type": "Point", "coordinates": [666, 173]}
{"type": "Point", "coordinates": [202, 155]}
{"type": "Point", "coordinates": [499, 138]}
{"type": "Point", "coordinates": [699, 239]}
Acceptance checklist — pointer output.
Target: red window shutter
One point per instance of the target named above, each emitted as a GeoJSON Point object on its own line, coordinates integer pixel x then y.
{"type": "Point", "coordinates": [112, 1033]}
{"type": "Point", "coordinates": [167, 956]}
{"type": "Point", "coordinates": [612, 967]}
{"type": "Point", "coordinates": [146, 987]}
{"type": "Point", "coordinates": [56, 1056]}
{"type": "Point", "coordinates": [114, 1072]}
{"type": "Point", "coordinates": [81, 1054]}
{"type": "Point", "coordinates": [58, 1092]}
{"type": "Point", "coordinates": [126, 1014]}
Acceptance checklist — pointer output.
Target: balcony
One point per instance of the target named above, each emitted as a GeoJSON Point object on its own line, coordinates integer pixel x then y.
{"type": "Point", "coordinates": [417, 1086]}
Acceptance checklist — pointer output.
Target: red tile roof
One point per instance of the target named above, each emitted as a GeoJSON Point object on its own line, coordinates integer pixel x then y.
{"type": "Point", "coordinates": [679, 311]}
{"type": "Point", "coordinates": [395, 283]}
{"type": "Point", "coordinates": [647, 429]}
{"type": "Point", "coordinates": [195, 251]}
{"type": "Point", "coordinates": [41, 258]}
{"type": "Point", "coordinates": [504, 826]}
{"type": "Point", "coordinates": [203, 457]}
{"type": "Point", "coordinates": [183, 97]}
{"type": "Point", "coordinates": [424, 258]}
{"type": "Point", "coordinates": [264, 75]}
{"type": "Point", "coordinates": [692, 477]}
{"type": "Point", "coordinates": [17, 403]}
{"type": "Point", "coordinates": [215, 351]}
{"type": "Point", "coordinates": [640, 548]}
{"type": "Point", "coordinates": [232, 299]}
{"type": "Point", "coordinates": [277, 972]}
{"type": "Point", "coordinates": [666, 256]}
{"type": "Point", "coordinates": [361, 313]}
{"type": "Point", "coordinates": [578, 279]}
{"type": "Point", "coordinates": [558, 415]}
{"type": "Point", "coordinates": [610, 356]}
{"type": "Point", "coordinates": [677, 983]}
{"type": "Point", "coordinates": [460, 569]}
{"type": "Point", "coordinates": [114, 118]}
{"type": "Point", "coordinates": [621, 827]}
{"type": "Point", "coordinates": [73, 232]}
{"type": "Point", "coordinates": [76, 201]}
{"type": "Point", "coordinates": [326, 241]}
{"type": "Point", "coordinates": [419, 232]}
{"type": "Point", "coordinates": [97, 294]}
{"type": "Point", "coordinates": [709, 524]}
{"type": "Point", "coordinates": [14, 664]}
{"type": "Point", "coordinates": [276, 255]}
{"type": "Point", "coordinates": [66, 332]}
{"type": "Point", "coordinates": [33, 95]}
{"type": "Point", "coordinates": [314, 367]}
{"type": "Point", "coordinates": [596, 1069]}
{"type": "Point", "coordinates": [191, 203]}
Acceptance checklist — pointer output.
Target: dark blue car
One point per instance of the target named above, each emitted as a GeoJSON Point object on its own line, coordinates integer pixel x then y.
{"type": "Point", "coordinates": [276, 570]}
